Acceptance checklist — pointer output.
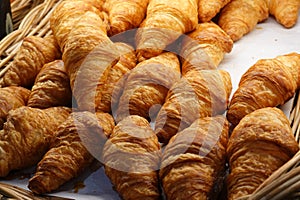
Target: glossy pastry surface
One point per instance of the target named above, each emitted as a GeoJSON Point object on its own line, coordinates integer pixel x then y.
{"type": "Point", "coordinates": [125, 15]}
{"type": "Point", "coordinates": [239, 17]}
{"type": "Point", "coordinates": [268, 83]}
{"type": "Point", "coordinates": [193, 163]}
{"type": "Point", "coordinates": [70, 151]}
{"type": "Point", "coordinates": [205, 47]}
{"type": "Point", "coordinates": [147, 86]}
{"type": "Point", "coordinates": [31, 57]}
{"type": "Point", "coordinates": [132, 157]}
{"type": "Point", "coordinates": [165, 21]}
{"type": "Point", "coordinates": [285, 12]}
{"type": "Point", "coordinates": [11, 97]}
{"type": "Point", "coordinates": [113, 88]}
{"type": "Point", "coordinates": [261, 143]}
{"type": "Point", "coordinates": [199, 93]}
{"type": "Point", "coordinates": [51, 87]}
{"type": "Point", "coordinates": [207, 10]}
{"type": "Point", "coordinates": [26, 136]}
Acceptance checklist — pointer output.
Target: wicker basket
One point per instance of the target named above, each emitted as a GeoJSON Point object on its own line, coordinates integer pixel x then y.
{"type": "Point", "coordinates": [35, 21]}
{"type": "Point", "coordinates": [32, 18]}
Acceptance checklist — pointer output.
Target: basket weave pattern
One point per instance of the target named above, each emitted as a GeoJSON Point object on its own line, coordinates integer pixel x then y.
{"type": "Point", "coordinates": [32, 18]}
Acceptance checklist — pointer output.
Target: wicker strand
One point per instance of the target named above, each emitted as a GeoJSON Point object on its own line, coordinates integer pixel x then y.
{"type": "Point", "coordinates": [295, 117]}
{"type": "Point", "coordinates": [286, 180]}
{"type": "Point", "coordinates": [5, 43]}
{"type": "Point", "coordinates": [20, 9]}
{"type": "Point", "coordinates": [31, 17]}
{"type": "Point", "coordinates": [35, 22]}
{"type": "Point", "coordinates": [14, 192]}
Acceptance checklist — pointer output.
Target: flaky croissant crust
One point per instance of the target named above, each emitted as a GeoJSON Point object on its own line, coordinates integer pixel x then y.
{"type": "Point", "coordinates": [194, 159]}
{"type": "Point", "coordinates": [77, 141]}
{"type": "Point", "coordinates": [261, 143]}
{"type": "Point", "coordinates": [131, 157]}
{"type": "Point", "coordinates": [268, 83]}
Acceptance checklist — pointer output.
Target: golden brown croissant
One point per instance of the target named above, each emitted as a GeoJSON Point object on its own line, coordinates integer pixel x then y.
{"type": "Point", "coordinates": [125, 15]}
{"type": "Point", "coordinates": [112, 89]}
{"type": "Point", "coordinates": [205, 47]}
{"type": "Point", "coordinates": [261, 143]}
{"type": "Point", "coordinates": [209, 9]}
{"type": "Point", "coordinates": [131, 157]}
{"type": "Point", "coordinates": [199, 93]}
{"type": "Point", "coordinates": [11, 97]}
{"type": "Point", "coordinates": [165, 21]}
{"type": "Point", "coordinates": [88, 53]}
{"type": "Point", "coordinates": [194, 160]}
{"type": "Point", "coordinates": [51, 87]}
{"type": "Point", "coordinates": [31, 57]}
{"type": "Point", "coordinates": [285, 12]}
{"type": "Point", "coordinates": [66, 16]}
{"type": "Point", "coordinates": [147, 86]}
{"type": "Point", "coordinates": [99, 4]}
{"type": "Point", "coordinates": [268, 83]}
{"type": "Point", "coordinates": [80, 137]}
{"type": "Point", "coordinates": [239, 17]}
{"type": "Point", "coordinates": [26, 136]}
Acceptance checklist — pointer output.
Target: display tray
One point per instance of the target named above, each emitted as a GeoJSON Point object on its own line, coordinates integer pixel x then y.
{"type": "Point", "coordinates": [269, 39]}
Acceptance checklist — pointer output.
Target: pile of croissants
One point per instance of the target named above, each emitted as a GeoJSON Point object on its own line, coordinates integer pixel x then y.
{"type": "Point", "coordinates": [136, 85]}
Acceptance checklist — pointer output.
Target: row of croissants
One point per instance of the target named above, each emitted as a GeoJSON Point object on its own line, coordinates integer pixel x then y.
{"type": "Point", "coordinates": [149, 103]}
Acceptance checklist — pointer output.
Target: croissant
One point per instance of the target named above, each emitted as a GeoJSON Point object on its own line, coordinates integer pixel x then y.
{"type": "Point", "coordinates": [125, 15]}
{"type": "Point", "coordinates": [31, 57]}
{"type": "Point", "coordinates": [131, 157]}
{"type": "Point", "coordinates": [80, 137]}
{"type": "Point", "coordinates": [261, 143]}
{"type": "Point", "coordinates": [268, 83]}
{"type": "Point", "coordinates": [205, 47]}
{"type": "Point", "coordinates": [147, 86]}
{"type": "Point", "coordinates": [51, 87]}
{"type": "Point", "coordinates": [165, 21]}
{"type": "Point", "coordinates": [239, 17]}
{"type": "Point", "coordinates": [68, 13]}
{"type": "Point", "coordinates": [207, 10]}
{"type": "Point", "coordinates": [112, 89]}
{"type": "Point", "coordinates": [11, 97]}
{"type": "Point", "coordinates": [199, 93]}
{"type": "Point", "coordinates": [285, 12]}
{"type": "Point", "coordinates": [26, 135]}
{"type": "Point", "coordinates": [194, 160]}
{"type": "Point", "coordinates": [88, 53]}
{"type": "Point", "coordinates": [99, 4]}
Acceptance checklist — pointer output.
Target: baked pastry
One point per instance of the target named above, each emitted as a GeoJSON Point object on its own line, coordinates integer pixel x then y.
{"type": "Point", "coordinates": [147, 86]}
{"type": "Point", "coordinates": [51, 87]}
{"type": "Point", "coordinates": [205, 47]}
{"type": "Point", "coordinates": [114, 84]}
{"type": "Point", "coordinates": [88, 53]}
{"type": "Point", "coordinates": [26, 136]}
{"type": "Point", "coordinates": [165, 21]}
{"type": "Point", "coordinates": [193, 162]}
{"type": "Point", "coordinates": [31, 57]}
{"type": "Point", "coordinates": [285, 12]}
{"type": "Point", "coordinates": [239, 17]}
{"type": "Point", "coordinates": [125, 15]}
{"type": "Point", "coordinates": [261, 143]}
{"type": "Point", "coordinates": [268, 83]}
{"type": "Point", "coordinates": [68, 13]}
{"type": "Point", "coordinates": [199, 93]}
{"type": "Point", "coordinates": [99, 4]}
{"type": "Point", "coordinates": [76, 142]}
{"type": "Point", "coordinates": [11, 97]}
{"type": "Point", "coordinates": [207, 10]}
{"type": "Point", "coordinates": [131, 157]}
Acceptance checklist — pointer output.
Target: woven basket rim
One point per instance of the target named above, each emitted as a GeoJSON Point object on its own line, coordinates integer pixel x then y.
{"type": "Point", "coordinates": [36, 22]}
